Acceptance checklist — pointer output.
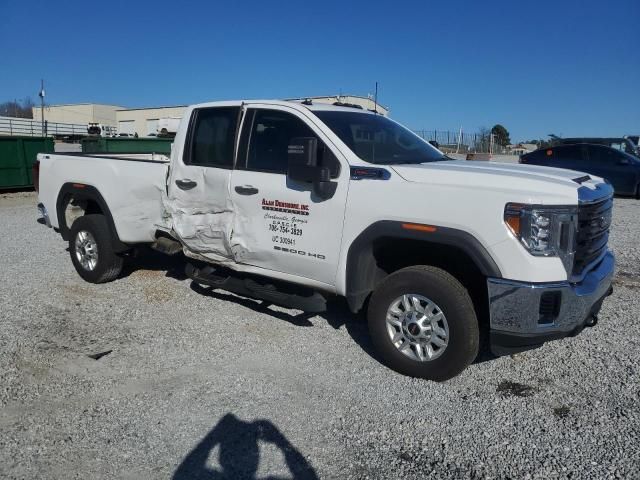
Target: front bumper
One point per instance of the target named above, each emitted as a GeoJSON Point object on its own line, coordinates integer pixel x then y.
{"type": "Point", "coordinates": [525, 315]}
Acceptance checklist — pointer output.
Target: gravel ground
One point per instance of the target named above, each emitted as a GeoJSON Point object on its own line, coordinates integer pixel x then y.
{"type": "Point", "coordinates": [201, 384]}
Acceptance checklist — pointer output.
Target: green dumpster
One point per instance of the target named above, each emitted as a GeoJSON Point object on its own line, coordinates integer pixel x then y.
{"type": "Point", "coordinates": [17, 155]}
{"type": "Point", "coordinates": [126, 145]}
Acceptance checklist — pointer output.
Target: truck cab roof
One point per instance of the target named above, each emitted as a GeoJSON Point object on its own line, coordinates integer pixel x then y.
{"type": "Point", "coordinates": [297, 104]}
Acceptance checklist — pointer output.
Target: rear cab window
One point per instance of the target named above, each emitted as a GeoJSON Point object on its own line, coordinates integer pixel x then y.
{"type": "Point", "coordinates": [211, 138]}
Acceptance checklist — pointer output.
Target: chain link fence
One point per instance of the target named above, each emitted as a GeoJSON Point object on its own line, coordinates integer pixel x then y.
{"type": "Point", "coordinates": [461, 142]}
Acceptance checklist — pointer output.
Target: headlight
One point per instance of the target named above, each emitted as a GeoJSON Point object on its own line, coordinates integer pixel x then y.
{"type": "Point", "coordinates": [543, 230]}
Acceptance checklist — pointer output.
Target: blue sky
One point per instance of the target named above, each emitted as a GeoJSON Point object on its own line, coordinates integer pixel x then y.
{"type": "Point", "coordinates": [563, 67]}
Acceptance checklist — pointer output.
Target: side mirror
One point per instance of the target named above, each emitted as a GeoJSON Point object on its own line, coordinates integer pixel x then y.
{"type": "Point", "coordinates": [303, 167]}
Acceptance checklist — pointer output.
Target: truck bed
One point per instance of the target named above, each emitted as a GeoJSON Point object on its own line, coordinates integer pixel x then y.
{"type": "Point", "coordinates": [131, 184]}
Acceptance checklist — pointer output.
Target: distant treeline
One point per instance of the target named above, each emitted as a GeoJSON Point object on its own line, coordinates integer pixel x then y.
{"type": "Point", "coordinates": [17, 108]}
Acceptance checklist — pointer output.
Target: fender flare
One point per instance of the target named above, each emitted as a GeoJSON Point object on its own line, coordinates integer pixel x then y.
{"type": "Point", "coordinates": [363, 274]}
{"type": "Point", "coordinates": [85, 192]}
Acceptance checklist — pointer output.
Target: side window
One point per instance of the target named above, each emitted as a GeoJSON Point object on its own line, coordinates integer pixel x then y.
{"type": "Point", "coordinates": [604, 155]}
{"type": "Point", "coordinates": [269, 133]}
{"type": "Point", "coordinates": [571, 153]}
{"type": "Point", "coordinates": [212, 137]}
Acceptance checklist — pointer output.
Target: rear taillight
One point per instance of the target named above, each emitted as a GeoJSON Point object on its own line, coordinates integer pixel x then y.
{"type": "Point", "coordinates": [522, 160]}
{"type": "Point", "coordinates": [35, 175]}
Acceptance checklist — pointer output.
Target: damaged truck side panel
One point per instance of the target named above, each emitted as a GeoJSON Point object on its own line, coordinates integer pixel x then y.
{"type": "Point", "coordinates": [198, 200]}
{"type": "Point", "coordinates": [291, 202]}
{"type": "Point", "coordinates": [134, 199]}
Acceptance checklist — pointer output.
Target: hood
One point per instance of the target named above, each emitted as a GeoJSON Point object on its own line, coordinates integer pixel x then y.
{"type": "Point", "coordinates": [534, 184]}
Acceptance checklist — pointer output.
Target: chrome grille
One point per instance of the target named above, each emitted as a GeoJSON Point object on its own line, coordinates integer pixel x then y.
{"type": "Point", "coordinates": [594, 220]}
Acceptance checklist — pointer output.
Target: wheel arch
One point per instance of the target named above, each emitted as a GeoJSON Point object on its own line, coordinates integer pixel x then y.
{"type": "Point", "coordinates": [94, 203]}
{"type": "Point", "coordinates": [387, 246]}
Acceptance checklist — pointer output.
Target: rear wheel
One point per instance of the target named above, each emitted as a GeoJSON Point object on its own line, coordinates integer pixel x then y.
{"type": "Point", "coordinates": [423, 324]}
{"type": "Point", "coordinates": [91, 249]}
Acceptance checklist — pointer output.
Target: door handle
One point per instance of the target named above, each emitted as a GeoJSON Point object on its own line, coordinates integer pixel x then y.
{"type": "Point", "coordinates": [186, 184]}
{"type": "Point", "coordinates": [246, 190]}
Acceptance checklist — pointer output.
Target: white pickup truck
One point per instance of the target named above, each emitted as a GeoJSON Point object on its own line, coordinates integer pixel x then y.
{"type": "Point", "coordinates": [293, 202]}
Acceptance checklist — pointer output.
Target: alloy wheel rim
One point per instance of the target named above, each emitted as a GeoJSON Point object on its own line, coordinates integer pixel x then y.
{"type": "Point", "coordinates": [417, 327]}
{"type": "Point", "coordinates": [86, 250]}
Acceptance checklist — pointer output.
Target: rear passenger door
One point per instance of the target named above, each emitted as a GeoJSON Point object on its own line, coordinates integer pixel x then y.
{"type": "Point", "coordinates": [198, 187]}
{"type": "Point", "coordinates": [279, 224]}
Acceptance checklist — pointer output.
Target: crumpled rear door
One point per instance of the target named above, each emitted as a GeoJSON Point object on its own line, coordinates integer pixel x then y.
{"type": "Point", "coordinates": [198, 192]}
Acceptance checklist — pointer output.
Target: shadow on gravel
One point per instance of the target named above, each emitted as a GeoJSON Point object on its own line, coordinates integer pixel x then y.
{"type": "Point", "coordinates": [336, 315]}
{"type": "Point", "coordinates": [148, 259]}
{"type": "Point", "coordinates": [300, 320]}
{"type": "Point", "coordinates": [239, 452]}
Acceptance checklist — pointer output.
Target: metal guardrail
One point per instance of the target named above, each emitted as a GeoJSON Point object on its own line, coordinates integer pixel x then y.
{"type": "Point", "coordinates": [33, 128]}
{"type": "Point", "coordinates": [461, 142]}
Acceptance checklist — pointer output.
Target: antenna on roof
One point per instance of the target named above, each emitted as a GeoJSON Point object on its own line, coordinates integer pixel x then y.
{"type": "Point", "coordinates": [375, 100]}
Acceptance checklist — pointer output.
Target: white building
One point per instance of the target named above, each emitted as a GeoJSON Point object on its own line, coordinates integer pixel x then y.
{"type": "Point", "coordinates": [79, 113]}
{"type": "Point", "coordinates": [144, 121]}
{"type": "Point", "coordinates": [522, 148]}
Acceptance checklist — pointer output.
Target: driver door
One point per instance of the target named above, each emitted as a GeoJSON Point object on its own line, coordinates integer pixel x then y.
{"type": "Point", "coordinates": [281, 224]}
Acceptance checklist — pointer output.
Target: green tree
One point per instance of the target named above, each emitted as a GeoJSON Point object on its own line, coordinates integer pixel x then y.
{"type": "Point", "coordinates": [501, 134]}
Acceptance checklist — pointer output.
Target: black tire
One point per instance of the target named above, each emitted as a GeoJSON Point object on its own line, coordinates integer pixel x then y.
{"type": "Point", "coordinates": [454, 302]}
{"type": "Point", "coordinates": [108, 265]}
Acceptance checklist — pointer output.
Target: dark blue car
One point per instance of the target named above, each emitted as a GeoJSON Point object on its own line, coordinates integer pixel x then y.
{"type": "Point", "coordinates": [619, 168]}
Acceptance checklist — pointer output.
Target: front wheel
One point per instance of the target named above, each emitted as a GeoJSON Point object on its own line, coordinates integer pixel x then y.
{"type": "Point", "coordinates": [91, 250]}
{"type": "Point", "coordinates": [423, 324]}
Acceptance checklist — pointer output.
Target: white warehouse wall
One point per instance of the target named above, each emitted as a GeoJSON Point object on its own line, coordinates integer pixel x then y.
{"type": "Point", "coordinates": [145, 118]}
{"type": "Point", "coordinates": [79, 113]}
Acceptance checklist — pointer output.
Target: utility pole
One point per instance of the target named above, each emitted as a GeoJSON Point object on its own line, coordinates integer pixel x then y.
{"type": "Point", "coordinates": [41, 95]}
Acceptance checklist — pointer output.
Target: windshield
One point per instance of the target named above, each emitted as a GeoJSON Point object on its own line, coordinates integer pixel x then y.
{"type": "Point", "coordinates": [376, 139]}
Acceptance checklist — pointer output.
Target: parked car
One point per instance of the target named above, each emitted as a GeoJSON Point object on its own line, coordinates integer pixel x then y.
{"type": "Point", "coordinates": [620, 169]}
{"type": "Point", "coordinates": [624, 144]}
{"type": "Point", "coordinates": [94, 128]}
{"type": "Point", "coordinates": [168, 126]}
{"type": "Point", "coordinates": [295, 203]}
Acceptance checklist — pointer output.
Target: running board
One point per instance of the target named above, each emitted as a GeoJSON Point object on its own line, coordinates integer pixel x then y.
{"type": "Point", "coordinates": [296, 297]}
